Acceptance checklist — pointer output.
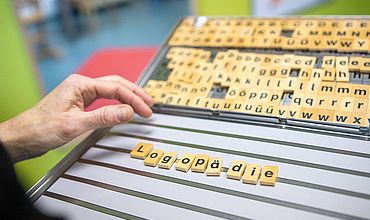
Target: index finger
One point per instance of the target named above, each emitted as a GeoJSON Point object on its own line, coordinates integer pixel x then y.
{"type": "Point", "coordinates": [114, 90]}
{"type": "Point", "coordinates": [131, 86]}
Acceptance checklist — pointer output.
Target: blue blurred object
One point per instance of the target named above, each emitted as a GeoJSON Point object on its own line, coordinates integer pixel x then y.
{"type": "Point", "coordinates": [140, 23]}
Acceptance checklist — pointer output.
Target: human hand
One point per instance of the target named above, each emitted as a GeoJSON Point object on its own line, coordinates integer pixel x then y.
{"type": "Point", "coordinates": [59, 117]}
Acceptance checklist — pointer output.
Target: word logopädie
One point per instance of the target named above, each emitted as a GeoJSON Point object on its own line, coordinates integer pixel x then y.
{"type": "Point", "coordinates": [202, 163]}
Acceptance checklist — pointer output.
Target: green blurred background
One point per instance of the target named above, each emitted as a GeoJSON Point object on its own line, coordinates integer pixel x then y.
{"type": "Point", "coordinates": [22, 84]}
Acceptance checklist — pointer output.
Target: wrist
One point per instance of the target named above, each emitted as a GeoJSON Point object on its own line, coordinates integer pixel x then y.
{"type": "Point", "coordinates": [11, 138]}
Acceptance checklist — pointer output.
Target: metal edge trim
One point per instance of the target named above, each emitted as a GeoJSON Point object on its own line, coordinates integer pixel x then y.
{"type": "Point", "coordinates": [50, 177]}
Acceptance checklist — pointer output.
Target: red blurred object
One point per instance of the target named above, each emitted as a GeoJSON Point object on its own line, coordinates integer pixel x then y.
{"type": "Point", "coordinates": [126, 62]}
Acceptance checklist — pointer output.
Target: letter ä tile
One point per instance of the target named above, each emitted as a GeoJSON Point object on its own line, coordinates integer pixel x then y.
{"type": "Point", "coordinates": [214, 167]}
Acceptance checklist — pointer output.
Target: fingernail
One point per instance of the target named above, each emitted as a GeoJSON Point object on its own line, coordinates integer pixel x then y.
{"type": "Point", "coordinates": [124, 114]}
{"type": "Point", "coordinates": [150, 113]}
{"type": "Point", "coordinates": [151, 102]}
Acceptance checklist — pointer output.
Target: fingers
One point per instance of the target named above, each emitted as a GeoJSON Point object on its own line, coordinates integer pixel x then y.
{"type": "Point", "coordinates": [114, 90]}
{"type": "Point", "coordinates": [131, 86]}
{"type": "Point", "coordinates": [107, 116]}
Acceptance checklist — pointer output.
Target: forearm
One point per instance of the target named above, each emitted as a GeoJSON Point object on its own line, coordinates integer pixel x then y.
{"type": "Point", "coordinates": [17, 141]}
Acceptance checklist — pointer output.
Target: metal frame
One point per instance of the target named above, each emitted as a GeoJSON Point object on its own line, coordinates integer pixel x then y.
{"type": "Point", "coordinates": [45, 182]}
{"type": "Point", "coordinates": [348, 131]}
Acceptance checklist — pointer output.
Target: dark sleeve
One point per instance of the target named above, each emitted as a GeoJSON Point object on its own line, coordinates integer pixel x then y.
{"type": "Point", "coordinates": [13, 202]}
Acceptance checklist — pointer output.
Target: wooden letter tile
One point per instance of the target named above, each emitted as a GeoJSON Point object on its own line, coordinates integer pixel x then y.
{"type": "Point", "coordinates": [214, 167]}
{"type": "Point", "coordinates": [167, 160]}
{"type": "Point", "coordinates": [269, 175]}
{"type": "Point", "coordinates": [252, 174]}
{"type": "Point", "coordinates": [236, 169]}
{"type": "Point", "coordinates": [153, 158]}
{"type": "Point", "coordinates": [141, 150]}
{"type": "Point", "coordinates": [342, 75]}
{"type": "Point", "coordinates": [185, 162]}
{"type": "Point", "coordinates": [200, 163]}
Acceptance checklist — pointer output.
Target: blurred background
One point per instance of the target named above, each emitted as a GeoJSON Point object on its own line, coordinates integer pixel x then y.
{"type": "Point", "coordinates": [43, 41]}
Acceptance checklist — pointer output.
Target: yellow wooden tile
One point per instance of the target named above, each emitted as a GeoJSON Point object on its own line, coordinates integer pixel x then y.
{"type": "Point", "coordinates": [344, 89]}
{"type": "Point", "coordinates": [315, 74]}
{"type": "Point", "coordinates": [347, 104]}
{"type": "Point", "coordinates": [269, 175]}
{"type": "Point", "coordinates": [236, 169]}
{"type": "Point", "coordinates": [308, 113]}
{"type": "Point", "coordinates": [281, 111]}
{"type": "Point", "coordinates": [326, 88]}
{"type": "Point", "coordinates": [365, 66]}
{"type": "Point", "coordinates": [153, 157]}
{"type": "Point", "coordinates": [289, 83]}
{"type": "Point", "coordinates": [359, 119]}
{"type": "Point", "coordinates": [289, 43]}
{"type": "Point", "coordinates": [171, 99]}
{"type": "Point", "coordinates": [355, 63]}
{"type": "Point", "coordinates": [323, 101]}
{"type": "Point", "coordinates": [141, 150]}
{"type": "Point", "coordinates": [197, 102]}
{"type": "Point", "coordinates": [227, 105]}
{"type": "Point", "coordinates": [214, 167]}
{"type": "Point", "coordinates": [275, 97]}
{"type": "Point", "coordinates": [288, 60]}
{"type": "Point", "coordinates": [150, 85]}
{"type": "Point", "coordinates": [360, 105]}
{"type": "Point", "coordinates": [185, 162]}
{"type": "Point", "coordinates": [328, 62]}
{"type": "Point", "coordinates": [305, 74]}
{"type": "Point", "coordinates": [206, 103]}
{"type": "Point", "coordinates": [159, 96]}
{"type": "Point", "coordinates": [342, 75]}
{"type": "Point", "coordinates": [215, 104]}
{"type": "Point", "coordinates": [325, 115]}
{"type": "Point", "coordinates": [341, 62]}
{"type": "Point", "coordinates": [283, 72]}
{"type": "Point", "coordinates": [342, 117]}
{"type": "Point", "coordinates": [309, 101]}
{"type": "Point", "coordinates": [345, 45]}
{"type": "Point", "coordinates": [242, 106]}
{"type": "Point", "coordinates": [308, 61]}
{"type": "Point", "coordinates": [185, 101]}
{"type": "Point", "coordinates": [252, 174]}
{"type": "Point", "coordinates": [330, 43]}
{"type": "Point", "coordinates": [167, 160]}
{"type": "Point", "coordinates": [361, 91]}
{"type": "Point", "coordinates": [263, 96]}
{"type": "Point", "coordinates": [360, 45]}
{"type": "Point", "coordinates": [315, 44]}
{"type": "Point", "coordinates": [200, 163]}
{"type": "Point", "coordinates": [201, 90]}
{"type": "Point", "coordinates": [298, 99]}
{"type": "Point", "coordinates": [329, 74]}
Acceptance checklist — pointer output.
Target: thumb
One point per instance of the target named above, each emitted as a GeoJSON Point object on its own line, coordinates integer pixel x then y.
{"type": "Point", "coordinates": [108, 116]}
